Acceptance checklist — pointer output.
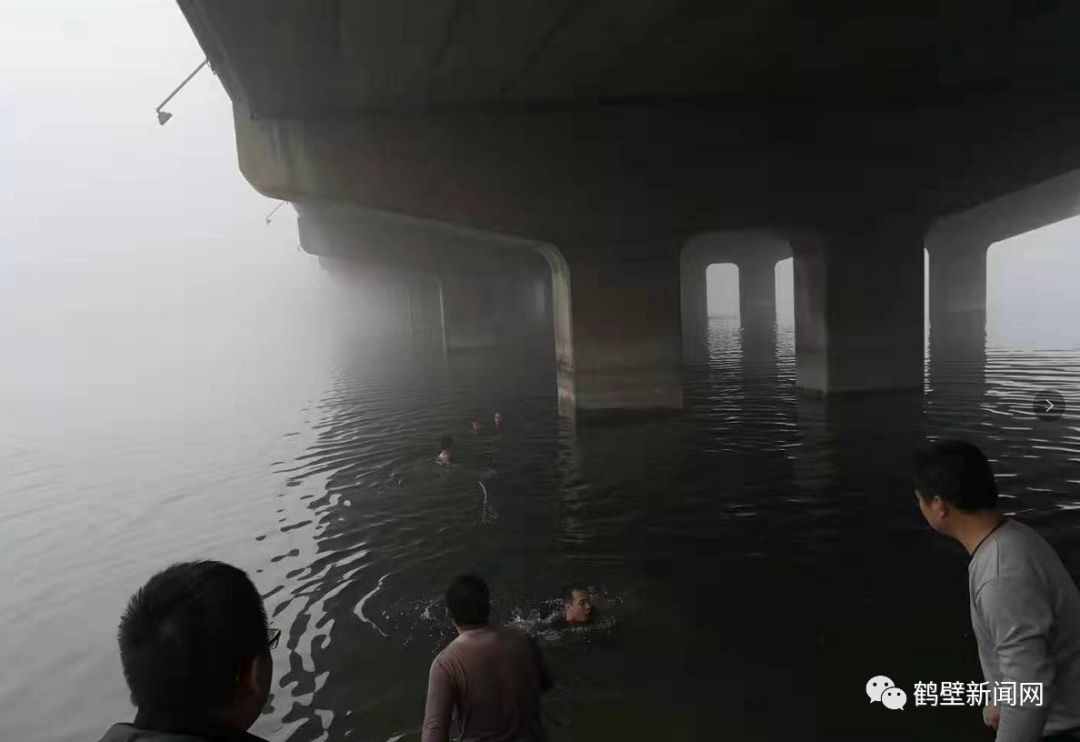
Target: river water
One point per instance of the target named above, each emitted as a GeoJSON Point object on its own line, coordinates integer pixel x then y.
{"type": "Point", "coordinates": [758, 557]}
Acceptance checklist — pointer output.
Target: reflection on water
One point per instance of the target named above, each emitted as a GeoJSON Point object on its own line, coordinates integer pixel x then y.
{"type": "Point", "coordinates": [762, 552]}
{"type": "Point", "coordinates": [759, 556]}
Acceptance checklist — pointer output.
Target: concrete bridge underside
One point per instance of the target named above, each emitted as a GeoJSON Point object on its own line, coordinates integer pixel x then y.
{"type": "Point", "coordinates": [607, 135]}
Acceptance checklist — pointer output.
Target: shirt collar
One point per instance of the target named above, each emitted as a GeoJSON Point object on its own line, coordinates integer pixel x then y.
{"type": "Point", "coordinates": [209, 731]}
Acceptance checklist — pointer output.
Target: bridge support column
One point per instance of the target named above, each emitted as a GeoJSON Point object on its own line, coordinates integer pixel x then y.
{"type": "Point", "coordinates": [757, 311]}
{"type": "Point", "coordinates": [957, 311]}
{"type": "Point", "coordinates": [471, 312]}
{"type": "Point", "coordinates": [756, 253]}
{"type": "Point", "coordinates": [695, 319]}
{"type": "Point", "coordinates": [626, 329]}
{"type": "Point", "coordinates": [859, 311]}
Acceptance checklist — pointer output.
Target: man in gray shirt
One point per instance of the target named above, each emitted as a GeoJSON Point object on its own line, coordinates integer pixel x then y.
{"type": "Point", "coordinates": [1025, 608]}
{"type": "Point", "coordinates": [491, 679]}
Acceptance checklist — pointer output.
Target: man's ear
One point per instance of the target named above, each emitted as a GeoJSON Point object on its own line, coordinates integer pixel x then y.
{"type": "Point", "coordinates": [940, 507]}
{"type": "Point", "coordinates": [248, 682]}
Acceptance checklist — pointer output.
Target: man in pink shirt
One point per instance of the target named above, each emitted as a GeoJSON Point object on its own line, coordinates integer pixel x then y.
{"type": "Point", "coordinates": [491, 679]}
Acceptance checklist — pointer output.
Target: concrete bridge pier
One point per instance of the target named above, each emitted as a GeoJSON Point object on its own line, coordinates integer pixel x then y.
{"type": "Point", "coordinates": [613, 309]}
{"type": "Point", "coordinates": [756, 254]}
{"type": "Point", "coordinates": [468, 294]}
{"type": "Point", "coordinates": [625, 316]}
{"type": "Point", "coordinates": [471, 313]}
{"type": "Point", "coordinates": [757, 313]}
{"type": "Point", "coordinates": [957, 311]}
{"type": "Point", "coordinates": [385, 305]}
{"type": "Point", "coordinates": [859, 309]}
{"type": "Point", "coordinates": [695, 313]}
{"type": "Point", "coordinates": [957, 244]}
{"type": "Point", "coordinates": [498, 303]}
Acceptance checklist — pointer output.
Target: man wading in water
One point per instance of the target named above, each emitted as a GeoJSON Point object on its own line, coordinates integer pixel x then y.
{"type": "Point", "coordinates": [492, 677]}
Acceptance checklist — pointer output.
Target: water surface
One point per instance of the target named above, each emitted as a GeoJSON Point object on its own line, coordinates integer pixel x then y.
{"type": "Point", "coordinates": [759, 556]}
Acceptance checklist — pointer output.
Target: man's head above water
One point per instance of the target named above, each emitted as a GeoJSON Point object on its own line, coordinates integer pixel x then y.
{"type": "Point", "coordinates": [955, 488]}
{"type": "Point", "coordinates": [577, 604]}
{"type": "Point", "coordinates": [468, 602]}
{"type": "Point", "coordinates": [195, 648]}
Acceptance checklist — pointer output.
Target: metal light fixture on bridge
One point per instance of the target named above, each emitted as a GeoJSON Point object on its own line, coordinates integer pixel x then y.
{"type": "Point", "coordinates": [163, 116]}
{"type": "Point", "coordinates": [274, 211]}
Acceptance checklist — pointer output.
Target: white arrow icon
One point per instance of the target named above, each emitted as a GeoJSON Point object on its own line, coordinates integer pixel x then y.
{"type": "Point", "coordinates": [1048, 405]}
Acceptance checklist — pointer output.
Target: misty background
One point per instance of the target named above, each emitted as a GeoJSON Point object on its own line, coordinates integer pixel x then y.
{"type": "Point", "coordinates": [157, 338]}
{"type": "Point", "coordinates": [129, 248]}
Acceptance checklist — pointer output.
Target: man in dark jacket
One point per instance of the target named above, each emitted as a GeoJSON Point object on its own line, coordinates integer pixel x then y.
{"type": "Point", "coordinates": [195, 647]}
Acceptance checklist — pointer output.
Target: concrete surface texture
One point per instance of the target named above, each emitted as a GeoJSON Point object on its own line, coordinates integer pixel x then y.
{"type": "Point", "coordinates": [606, 136]}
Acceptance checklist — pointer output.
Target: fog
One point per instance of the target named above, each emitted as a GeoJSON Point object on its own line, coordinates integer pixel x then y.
{"type": "Point", "coordinates": [1032, 296]}
{"type": "Point", "coordinates": [128, 248]}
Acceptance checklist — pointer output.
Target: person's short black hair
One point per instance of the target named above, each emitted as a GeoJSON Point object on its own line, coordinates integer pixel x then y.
{"type": "Point", "coordinates": [185, 635]}
{"type": "Point", "coordinates": [573, 587]}
{"type": "Point", "coordinates": [468, 601]}
{"type": "Point", "coordinates": [447, 442]}
{"type": "Point", "coordinates": [957, 472]}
